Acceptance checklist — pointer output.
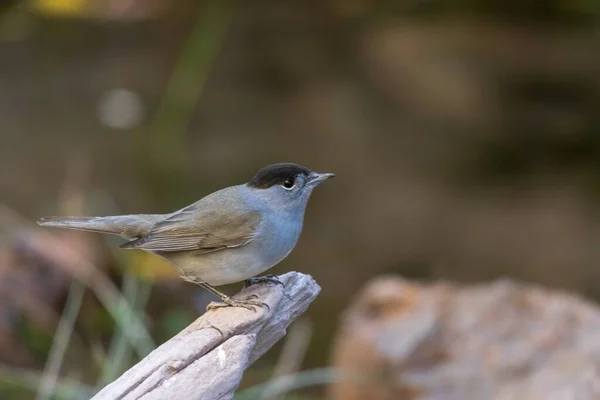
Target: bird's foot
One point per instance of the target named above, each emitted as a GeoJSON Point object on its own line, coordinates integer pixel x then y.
{"type": "Point", "coordinates": [263, 279]}
{"type": "Point", "coordinates": [229, 302]}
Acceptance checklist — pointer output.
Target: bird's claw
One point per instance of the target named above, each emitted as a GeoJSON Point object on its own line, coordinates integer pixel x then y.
{"type": "Point", "coordinates": [263, 279]}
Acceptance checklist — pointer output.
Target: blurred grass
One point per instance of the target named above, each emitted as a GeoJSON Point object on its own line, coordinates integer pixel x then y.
{"type": "Point", "coordinates": [167, 131]}
{"type": "Point", "coordinates": [136, 292]}
{"type": "Point", "coordinates": [62, 337]}
{"type": "Point", "coordinates": [38, 341]}
{"type": "Point", "coordinates": [166, 138]}
{"type": "Point", "coordinates": [18, 380]}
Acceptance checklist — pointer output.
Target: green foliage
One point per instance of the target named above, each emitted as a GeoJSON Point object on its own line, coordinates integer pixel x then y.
{"type": "Point", "coordinates": [35, 338]}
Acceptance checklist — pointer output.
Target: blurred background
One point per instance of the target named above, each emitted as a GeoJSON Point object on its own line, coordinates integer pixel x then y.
{"type": "Point", "coordinates": [465, 136]}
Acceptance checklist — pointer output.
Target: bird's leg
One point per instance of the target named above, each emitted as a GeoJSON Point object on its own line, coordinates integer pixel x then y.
{"type": "Point", "coordinates": [260, 279]}
{"type": "Point", "coordinates": [227, 301]}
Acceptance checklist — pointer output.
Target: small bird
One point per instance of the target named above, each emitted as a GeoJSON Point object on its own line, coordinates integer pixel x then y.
{"type": "Point", "coordinates": [229, 236]}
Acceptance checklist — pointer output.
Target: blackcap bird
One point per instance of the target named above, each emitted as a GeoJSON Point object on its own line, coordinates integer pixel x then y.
{"type": "Point", "coordinates": [229, 236]}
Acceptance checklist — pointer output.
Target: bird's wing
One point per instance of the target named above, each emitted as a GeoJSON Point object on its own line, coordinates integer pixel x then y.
{"type": "Point", "coordinates": [195, 228]}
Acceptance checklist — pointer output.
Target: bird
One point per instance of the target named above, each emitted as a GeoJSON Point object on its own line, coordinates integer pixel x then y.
{"type": "Point", "coordinates": [228, 236]}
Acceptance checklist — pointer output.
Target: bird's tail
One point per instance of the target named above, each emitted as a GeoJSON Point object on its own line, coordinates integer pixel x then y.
{"type": "Point", "coordinates": [127, 226]}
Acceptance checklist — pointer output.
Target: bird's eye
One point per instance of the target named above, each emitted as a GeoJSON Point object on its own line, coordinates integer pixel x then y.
{"type": "Point", "coordinates": [288, 184]}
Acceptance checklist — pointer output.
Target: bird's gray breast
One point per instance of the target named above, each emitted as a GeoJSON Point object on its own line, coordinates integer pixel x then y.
{"type": "Point", "coordinates": [276, 237]}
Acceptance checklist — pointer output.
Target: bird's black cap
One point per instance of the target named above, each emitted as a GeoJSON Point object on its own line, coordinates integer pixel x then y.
{"type": "Point", "coordinates": [276, 174]}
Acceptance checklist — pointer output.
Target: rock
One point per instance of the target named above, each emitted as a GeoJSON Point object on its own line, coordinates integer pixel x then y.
{"type": "Point", "coordinates": [503, 340]}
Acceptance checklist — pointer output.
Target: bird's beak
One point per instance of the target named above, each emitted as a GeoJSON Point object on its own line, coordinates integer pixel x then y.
{"type": "Point", "coordinates": [316, 178]}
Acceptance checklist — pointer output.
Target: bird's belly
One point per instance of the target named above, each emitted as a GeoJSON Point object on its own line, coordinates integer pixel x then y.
{"type": "Point", "coordinates": [228, 266]}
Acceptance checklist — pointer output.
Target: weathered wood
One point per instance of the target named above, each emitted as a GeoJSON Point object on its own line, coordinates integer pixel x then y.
{"type": "Point", "coordinates": [208, 358]}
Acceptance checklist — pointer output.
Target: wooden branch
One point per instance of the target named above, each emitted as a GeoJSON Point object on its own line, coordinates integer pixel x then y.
{"type": "Point", "coordinates": [208, 358]}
